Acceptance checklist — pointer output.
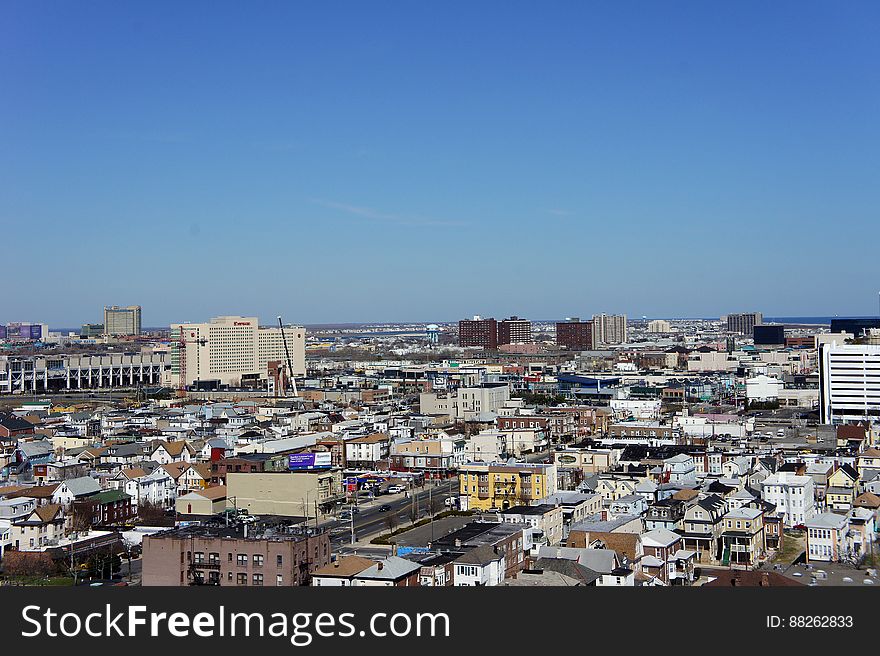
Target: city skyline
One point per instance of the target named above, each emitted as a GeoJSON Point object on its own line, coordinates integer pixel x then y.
{"type": "Point", "coordinates": [337, 163]}
{"type": "Point", "coordinates": [269, 319]}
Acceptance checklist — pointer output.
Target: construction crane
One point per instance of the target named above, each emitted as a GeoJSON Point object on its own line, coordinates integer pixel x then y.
{"type": "Point", "coordinates": [182, 341]}
{"type": "Point", "coordinates": [287, 352]}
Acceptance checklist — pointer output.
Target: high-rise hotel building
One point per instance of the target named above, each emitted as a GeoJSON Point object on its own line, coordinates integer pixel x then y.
{"type": "Point", "coordinates": [122, 321]}
{"type": "Point", "coordinates": [227, 349]}
{"type": "Point", "coordinates": [849, 383]}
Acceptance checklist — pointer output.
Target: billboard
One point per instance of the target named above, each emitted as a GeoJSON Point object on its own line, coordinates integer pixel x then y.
{"type": "Point", "coordinates": [297, 461]}
{"type": "Point", "coordinates": [26, 331]}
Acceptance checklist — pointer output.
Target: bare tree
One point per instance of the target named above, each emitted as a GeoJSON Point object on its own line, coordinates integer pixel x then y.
{"type": "Point", "coordinates": [28, 564]}
{"type": "Point", "coordinates": [83, 515]}
{"type": "Point", "coordinates": [391, 522]}
{"type": "Point", "coordinates": [151, 514]}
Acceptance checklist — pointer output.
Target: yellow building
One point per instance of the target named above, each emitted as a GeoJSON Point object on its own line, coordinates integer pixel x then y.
{"type": "Point", "coordinates": [499, 486]}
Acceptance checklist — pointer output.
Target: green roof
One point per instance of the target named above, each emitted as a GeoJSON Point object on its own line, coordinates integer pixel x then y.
{"type": "Point", "coordinates": [109, 496]}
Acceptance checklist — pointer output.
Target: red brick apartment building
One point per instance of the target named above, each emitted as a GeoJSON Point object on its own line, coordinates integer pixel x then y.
{"type": "Point", "coordinates": [575, 335]}
{"type": "Point", "coordinates": [478, 332]}
{"type": "Point", "coordinates": [242, 555]}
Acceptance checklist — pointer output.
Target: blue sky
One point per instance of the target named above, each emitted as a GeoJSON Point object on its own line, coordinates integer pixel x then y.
{"type": "Point", "coordinates": [372, 161]}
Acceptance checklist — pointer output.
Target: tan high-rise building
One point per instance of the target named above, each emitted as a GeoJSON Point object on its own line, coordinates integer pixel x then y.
{"type": "Point", "coordinates": [744, 322]}
{"type": "Point", "coordinates": [122, 320]}
{"type": "Point", "coordinates": [227, 349]}
{"type": "Point", "coordinates": [609, 329]}
{"type": "Point", "coordinates": [659, 326]}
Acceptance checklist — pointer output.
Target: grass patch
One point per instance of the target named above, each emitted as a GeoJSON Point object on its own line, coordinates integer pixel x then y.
{"type": "Point", "coordinates": [37, 581]}
{"type": "Point", "coordinates": [792, 547]}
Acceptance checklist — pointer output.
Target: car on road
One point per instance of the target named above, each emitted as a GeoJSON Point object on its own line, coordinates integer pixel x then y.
{"type": "Point", "coordinates": [396, 489]}
{"type": "Point", "coordinates": [384, 507]}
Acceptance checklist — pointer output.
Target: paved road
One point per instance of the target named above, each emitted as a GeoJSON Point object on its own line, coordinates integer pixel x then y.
{"type": "Point", "coordinates": [370, 520]}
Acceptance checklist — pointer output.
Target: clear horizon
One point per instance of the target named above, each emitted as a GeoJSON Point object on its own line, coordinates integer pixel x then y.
{"type": "Point", "coordinates": [376, 160]}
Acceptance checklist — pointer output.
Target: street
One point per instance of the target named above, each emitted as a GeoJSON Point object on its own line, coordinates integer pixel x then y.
{"type": "Point", "coordinates": [370, 520]}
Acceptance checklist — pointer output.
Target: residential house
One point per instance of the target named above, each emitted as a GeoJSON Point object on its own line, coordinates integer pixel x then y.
{"type": "Point", "coordinates": [75, 489]}
{"type": "Point", "coordinates": [701, 528]}
{"type": "Point", "coordinates": [340, 572]}
{"type": "Point", "coordinates": [743, 537]}
{"type": "Point", "coordinates": [44, 526]}
{"type": "Point", "coordinates": [169, 452]}
{"type": "Point", "coordinates": [108, 508]}
{"type": "Point", "coordinates": [664, 560]}
{"type": "Point", "coordinates": [482, 566]}
{"type": "Point", "coordinates": [367, 452]}
{"type": "Point", "coordinates": [826, 537]}
{"type": "Point", "coordinates": [391, 572]}
{"type": "Point", "coordinates": [792, 494]}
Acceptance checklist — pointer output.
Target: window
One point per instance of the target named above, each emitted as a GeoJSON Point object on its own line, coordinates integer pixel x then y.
{"type": "Point", "coordinates": [258, 561]}
{"type": "Point", "coordinates": [242, 560]}
{"type": "Point", "coordinates": [279, 580]}
{"type": "Point", "coordinates": [258, 579]}
{"type": "Point", "coordinates": [242, 579]}
{"type": "Point", "coordinates": [279, 560]}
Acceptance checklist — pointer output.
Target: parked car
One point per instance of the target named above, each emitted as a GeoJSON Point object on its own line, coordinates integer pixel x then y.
{"type": "Point", "coordinates": [396, 489]}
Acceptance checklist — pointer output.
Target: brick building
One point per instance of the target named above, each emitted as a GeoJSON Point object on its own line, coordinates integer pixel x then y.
{"type": "Point", "coordinates": [478, 332]}
{"type": "Point", "coordinates": [575, 335]}
{"type": "Point", "coordinates": [259, 554]}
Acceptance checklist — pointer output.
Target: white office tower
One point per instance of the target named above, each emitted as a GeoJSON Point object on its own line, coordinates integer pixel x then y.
{"type": "Point", "coordinates": [849, 382]}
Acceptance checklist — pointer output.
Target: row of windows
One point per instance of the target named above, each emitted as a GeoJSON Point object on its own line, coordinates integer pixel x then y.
{"type": "Point", "coordinates": [242, 560]}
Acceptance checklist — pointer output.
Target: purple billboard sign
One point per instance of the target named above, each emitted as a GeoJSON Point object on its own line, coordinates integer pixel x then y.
{"type": "Point", "coordinates": [308, 461]}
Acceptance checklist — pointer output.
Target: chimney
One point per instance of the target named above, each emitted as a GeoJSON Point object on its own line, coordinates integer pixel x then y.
{"type": "Point", "coordinates": [765, 580]}
{"type": "Point", "coordinates": [336, 563]}
{"type": "Point", "coordinates": [380, 565]}
{"type": "Point", "coordinates": [734, 581]}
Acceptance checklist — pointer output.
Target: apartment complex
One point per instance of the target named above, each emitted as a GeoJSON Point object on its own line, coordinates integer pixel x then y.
{"type": "Point", "coordinates": [849, 382]}
{"type": "Point", "coordinates": [792, 494]}
{"type": "Point", "coordinates": [230, 350]}
{"type": "Point", "coordinates": [465, 402]}
{"type": "Point", "coordinates": [122, 321]}
{"type": "Point", "coordinates": [478, 332]}
{"type": "Point", "coordinates": [744, 323]}
{"type": "Point", "coordinates": [486, 486]}
{"type": "Point", "coordinates": [659, 326]}
{"type": "Point", "coordinates": [575, 335]}
{"type": "Point", "coordinates": [609, 328]}
{"type": "Point", "coordinates": [233, 556]}
{"type": "Point", "coordinates": [514, 331]}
